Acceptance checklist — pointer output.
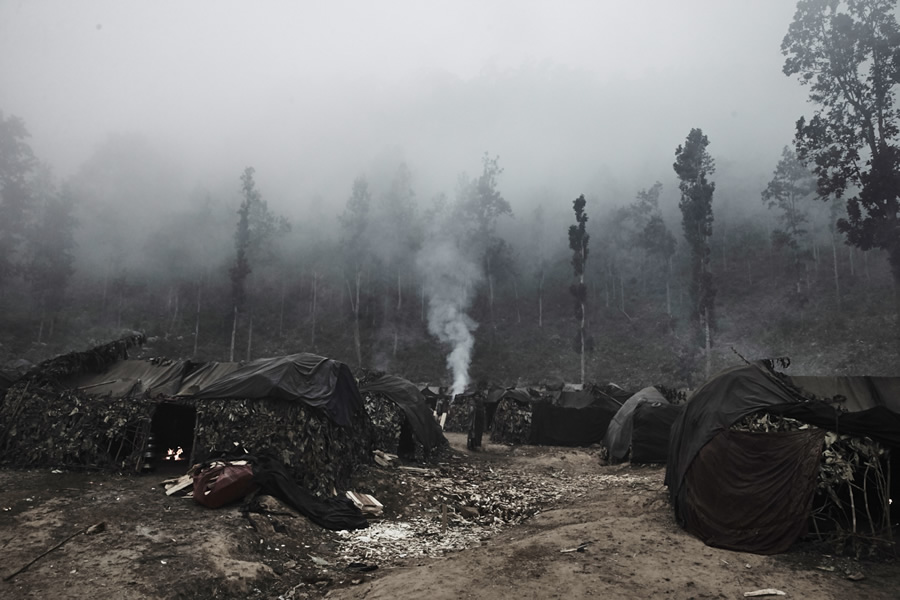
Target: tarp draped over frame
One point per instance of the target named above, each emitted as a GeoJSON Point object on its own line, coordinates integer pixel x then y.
{"type": "Point", "coordinates": [314, 380]}
{"type": "Point", "coordinates": [618, 435]}
{"type": "Point", "coordinates": [651, 428]}
{"type": "Point", "coordinates": [308, 378]}
{"type": "Point", "coordinates": [702, 445]}
{"type": "Point", "coordinates": [762, 504]}
{"type": "Point", "coordinates": [413, 404]}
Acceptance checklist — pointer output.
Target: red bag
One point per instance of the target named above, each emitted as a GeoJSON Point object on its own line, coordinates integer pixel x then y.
{"type": "Point", "coordinates": [221, 483]}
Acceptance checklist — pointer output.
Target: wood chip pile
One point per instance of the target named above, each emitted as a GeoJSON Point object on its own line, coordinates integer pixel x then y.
{"type": "Point", "coordinates": [478, 504]}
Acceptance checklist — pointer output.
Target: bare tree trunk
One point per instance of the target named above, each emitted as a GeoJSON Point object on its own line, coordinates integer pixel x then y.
{"type": "Point", "coordinates": [399, 292]}
{"type": "Point", "coordinates": [281, 311]}
{"type": "Point", "coordinates": [197, 319]}
{"type": "Point", "coordinates": [40, 337]}
{"type": "Point", "coordinates": [396, 341]}
{"type": "Point", "coordinates": [850, 252]}
{"type": "Point", "coordinates": [541, 299]}
{"type": "Point", "coordinates": [669, 286]}
{"type": "Point", "coordinates": [491, 299]}
{"type": "Point", "coordinates": [865, 254]}
{"type": "Point", "coordinates": [837, 284]}
{"type": "Point", "coordinates": [52, 320]}
{"type": "Point", "coordinates": [516, 291]}
{"type": "Point", "coordinates": [315, 292]}
{"type": "Point", "coordinates": [708, 342]}
{"type": "Point", "coordinates": [249, 337]}
{"type": "Point", "coordinates": [354, 305]}
{"type": "Point", "coordinates": [233, 334]}
{"type": "Point", "coordinates": [174, 311]}
{"type": "Point", "coordinates": [622, 293]}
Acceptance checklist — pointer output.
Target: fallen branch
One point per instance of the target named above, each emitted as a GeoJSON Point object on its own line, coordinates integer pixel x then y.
{"type": "Point", "coordinates": [92, 528]}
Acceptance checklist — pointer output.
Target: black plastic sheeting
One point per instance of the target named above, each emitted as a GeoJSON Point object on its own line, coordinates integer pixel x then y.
{"type": "Point", "coordinates": [554, 425]}
{"type": "Point", "coordinates": [740, 391]}
{"type": "Point", "coordinates": [316, 381]}
{"type": "Point", "coordinates": [752, 492]}
{"type": "Point", "coordinates": [651, 429]}
{"type": "Point", "coordinates": [618, 435]}
{"type": "Point", "coordinates": [337, 513]}
{"type": "Point", "coordinates": [413, 404]}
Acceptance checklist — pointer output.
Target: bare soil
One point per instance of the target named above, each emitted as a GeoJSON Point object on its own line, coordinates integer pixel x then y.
{"type": "Point", "coordinates": [505, 522]}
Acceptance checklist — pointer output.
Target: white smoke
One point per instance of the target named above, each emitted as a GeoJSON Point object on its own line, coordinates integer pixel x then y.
{"type": "Point", "coordinates": [450, 279]}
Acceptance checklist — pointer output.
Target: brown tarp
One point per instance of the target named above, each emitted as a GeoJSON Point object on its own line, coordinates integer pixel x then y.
{"type": "Point", "coordinates": [763, 503]}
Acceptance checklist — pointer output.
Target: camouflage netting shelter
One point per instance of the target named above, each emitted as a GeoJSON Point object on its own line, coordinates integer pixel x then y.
{"type": "Point", "coordinates": [99, 410]}
{"type": "Point", "coordinates": [402, 420]}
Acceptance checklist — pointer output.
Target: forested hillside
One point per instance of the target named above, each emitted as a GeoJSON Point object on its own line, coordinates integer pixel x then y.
{"type": "Point", "coordinates": [217, 278]}
{"type": "Point", "coordinates": [619, 243]}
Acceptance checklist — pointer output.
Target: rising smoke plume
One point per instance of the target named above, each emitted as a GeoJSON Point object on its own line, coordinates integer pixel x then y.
{"type": "Point", "coordinates": [450, 278]}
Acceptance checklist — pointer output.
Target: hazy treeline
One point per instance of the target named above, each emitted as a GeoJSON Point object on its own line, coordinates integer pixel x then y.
{"type": "Point", "coordinates": [125, 244]}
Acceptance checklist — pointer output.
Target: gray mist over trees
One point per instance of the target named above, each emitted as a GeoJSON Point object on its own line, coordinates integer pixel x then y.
{"type": "Point", "coordinates": [391, 183]}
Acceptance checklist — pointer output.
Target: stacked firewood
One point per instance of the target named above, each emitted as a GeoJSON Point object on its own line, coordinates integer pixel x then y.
{"type": "Point", "coordinates": [512, 422]}
{"type": "Point", "coordinates": [852, 486]}
{"type": "Point", "coordinates": [44, 426]}
{"type": "Point", "coordinates": [318, 453]}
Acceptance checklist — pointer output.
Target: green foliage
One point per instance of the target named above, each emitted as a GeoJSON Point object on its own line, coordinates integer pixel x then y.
{"type": "Point", "coordinates": [848, 55]}
{"type": "Point", "coordinates": [578, 242]}
{"type": "Point", "coordinates": [791, 184]}
{"type": "Point", "coordinates": [50, 251]}
{"type": "Point", "coordinates": [693, 165]}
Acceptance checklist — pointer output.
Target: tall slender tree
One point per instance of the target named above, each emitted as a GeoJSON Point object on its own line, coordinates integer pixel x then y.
{"type": "Point", "coordinates": [694, 165]}
{"type": "Point", "coordinates": [578, 242]}
{"type": "Point", "coordinates": [848, 54]}
{"type": "Point", "coordinates": [791, 185]}
{"type": "Point", "coordinates": [17, 163]}
{"type": "Point", "coordinates": [355, 222]}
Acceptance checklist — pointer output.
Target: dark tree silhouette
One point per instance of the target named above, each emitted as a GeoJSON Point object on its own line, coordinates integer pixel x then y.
{"type": "Point", "coordinates": [578, 242]}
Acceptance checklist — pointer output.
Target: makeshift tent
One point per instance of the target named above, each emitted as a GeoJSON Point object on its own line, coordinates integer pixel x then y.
{"type": "Point", "coordinates": [97, 409]}
{"type": "Point", "coordinates": [650, 430]}
{"type": "Point", "coordinates": [555, 418]}
{"type": "Point", "coordinates": [618, 435]}
{"type": "Point", "coordinates": [753, 491]}
{"type": "Point", "coordinates": [512, 416]}
{"type": "Point", "coordinates": [572, 418]}
{"type": "Point", "coordinates": [403, 423]}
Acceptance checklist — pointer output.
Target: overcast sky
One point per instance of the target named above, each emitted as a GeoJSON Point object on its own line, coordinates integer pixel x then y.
{"type": "Point", "coordinates": [574, 97]}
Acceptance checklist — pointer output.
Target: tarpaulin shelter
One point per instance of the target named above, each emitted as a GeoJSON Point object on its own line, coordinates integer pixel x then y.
{"type": "Point", "coordinates": [618, 435]}
{"type": "Point", "coordinates": [554, 418]}
{"type": "Point", "coordinates": [650, 431]}
{"type": "Point", "coordinates": [753, 491]}
{"type": "Point", "coordinates": [407, 426]}
{"type": "Point", "coordinates": [99, 409]}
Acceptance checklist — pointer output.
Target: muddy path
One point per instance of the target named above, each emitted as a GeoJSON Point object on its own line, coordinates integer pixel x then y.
{"type": "Point", "coordinates": [506, 522]}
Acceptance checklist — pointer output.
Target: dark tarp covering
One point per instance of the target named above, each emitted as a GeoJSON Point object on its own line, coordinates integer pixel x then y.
{"type": "Point", "coordinates": [413, 404]}
{"type": "Point", "coordinates": [314, 380]}
{"type": "Point", "coordinates": [740, 391]}
{"type": "Point", "coordinates": [752, 492]}
{"type": "Point", "coordinates": [336, 513]}
{"type": "Point", "coordinates": [618, 435]}
{"type": "Point", "coordinates": [651, 429]}
{"type": "Point", "coordinates": [131, 378]}
{"type": "Point", "coordinates": [555, 425]}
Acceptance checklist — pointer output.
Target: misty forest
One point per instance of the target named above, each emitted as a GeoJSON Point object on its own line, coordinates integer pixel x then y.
{"type": "Point", "coordinates": [522, 224]}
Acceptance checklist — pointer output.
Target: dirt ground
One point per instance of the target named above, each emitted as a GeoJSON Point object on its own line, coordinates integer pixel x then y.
{"type": "Point", "coordinates": [505, 522]}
